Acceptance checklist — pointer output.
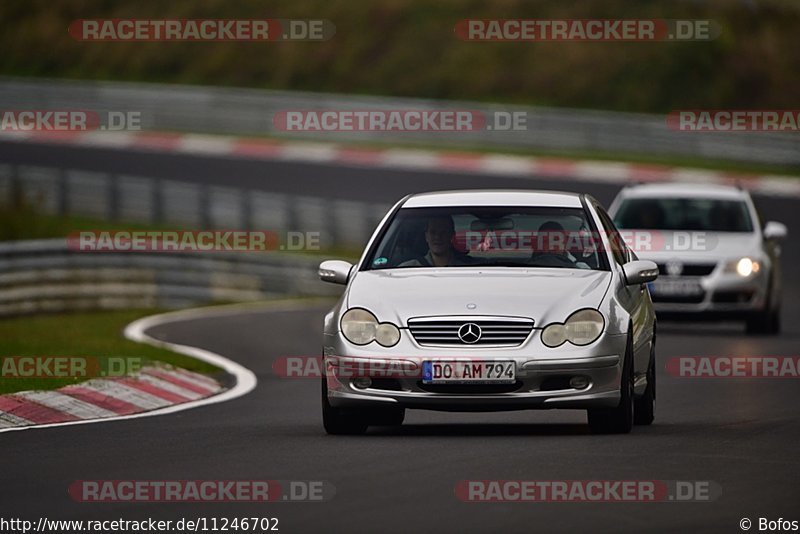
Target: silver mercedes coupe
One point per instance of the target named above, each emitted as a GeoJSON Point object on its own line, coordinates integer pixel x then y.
{"type": "Point", "coordinates": [488, 301]}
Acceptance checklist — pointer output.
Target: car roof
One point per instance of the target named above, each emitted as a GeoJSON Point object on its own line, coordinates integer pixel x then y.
{"type": "Point", "coordinates": [684, 190]}
{"type": "Point", "coordinates": [494, 197]}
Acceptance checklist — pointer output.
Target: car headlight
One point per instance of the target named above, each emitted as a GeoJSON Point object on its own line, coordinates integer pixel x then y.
{"type": "Point", "coordinates": [387, 334]}
{"type": "Point", "coordinates": [580, 328]}
{"type": "Point", "coordinates": [360, 327]}
{"type": "Point", "coordinates": [554, 335]}
{"type": "Point", "coordinates": [744, 267]}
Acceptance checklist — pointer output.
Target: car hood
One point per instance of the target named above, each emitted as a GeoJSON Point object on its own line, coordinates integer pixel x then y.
{"type": "Point", "coordinates": [545, 295]}
{"type": "Point", "coordinates": [717, 246]}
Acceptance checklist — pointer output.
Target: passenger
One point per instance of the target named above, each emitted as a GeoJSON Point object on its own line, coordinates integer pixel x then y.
{"type": "Point", "coordinates": [552, 235]}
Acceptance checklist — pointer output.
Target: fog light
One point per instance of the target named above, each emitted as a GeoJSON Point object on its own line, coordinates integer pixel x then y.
{"type": "Point", "coordinates": [579, 382]}
{"type": "Point", "coordinates": [362, 382]}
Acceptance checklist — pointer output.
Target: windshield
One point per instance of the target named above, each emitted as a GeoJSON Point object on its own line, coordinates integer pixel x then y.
{"type": "Point", "coordinates": [696, 214]}
{"type": "Point", "coordinates": [488, 236]}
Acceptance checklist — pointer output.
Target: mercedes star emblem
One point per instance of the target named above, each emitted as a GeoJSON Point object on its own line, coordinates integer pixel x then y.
{"type": "Point", "coordinates": [469, 333]}
{"type": "Point", "coordinates": [674, 268]}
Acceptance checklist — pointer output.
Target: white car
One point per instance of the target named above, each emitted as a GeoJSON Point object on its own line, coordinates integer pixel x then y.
{"type": "Point", "coordinates": [716, 257]}
{"type": "Point", "coordinates": [451, 308]}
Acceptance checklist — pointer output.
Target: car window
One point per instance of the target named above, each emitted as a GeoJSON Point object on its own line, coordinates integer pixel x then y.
{"type": "Point", "coordinates": [498, 236]}
{"type": "Point", "coordinates": [689, 214]}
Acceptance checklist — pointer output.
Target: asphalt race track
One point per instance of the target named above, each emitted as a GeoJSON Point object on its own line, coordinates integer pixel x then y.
{"type": "Point", "coordinates": [739, 433]}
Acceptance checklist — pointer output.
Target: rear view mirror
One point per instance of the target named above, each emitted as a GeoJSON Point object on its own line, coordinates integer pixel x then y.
{"type": "Point", "coordinates": [640, 272]}
{"type": "Point", "coordinates": [502, 223]}
{"type": "Point", "coordinates": [334, 271]}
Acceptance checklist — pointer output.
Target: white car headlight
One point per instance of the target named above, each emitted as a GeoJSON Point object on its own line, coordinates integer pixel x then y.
{"type": "Point", "coordinates": [554, 334]}
{"type": "Point", "coordinates": [387, 334]}
{"type": "Point", "coordinates": [360, 327]}
{"type": "Point", "coordinates": [580, 328]}
{"type": "Point", "coordinates": [744, 267]}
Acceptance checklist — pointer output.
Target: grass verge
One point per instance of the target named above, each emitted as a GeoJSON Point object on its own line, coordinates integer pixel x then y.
{"type": "Point", "coordinates": [95, 336]}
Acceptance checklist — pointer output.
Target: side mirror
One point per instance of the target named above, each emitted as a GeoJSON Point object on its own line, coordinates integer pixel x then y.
{"type": "Point", "coordinates": [334, 271]}
{"type": "Point", "coordinates": [640, 272]}
{"type": "Point", "coordinates": [775, 230]}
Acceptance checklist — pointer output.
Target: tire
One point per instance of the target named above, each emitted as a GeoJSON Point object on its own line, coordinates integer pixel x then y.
{"type": "Point", "coordinates": [644, 407]}
{"type": "Point", "coordinates": [387, 416]}
{"type": "Point", "coordinates": [767, 322]}
{"type": "Point", "coordinates": [340, 421]}
{"type": "Point", "coordinates": [618, 420]}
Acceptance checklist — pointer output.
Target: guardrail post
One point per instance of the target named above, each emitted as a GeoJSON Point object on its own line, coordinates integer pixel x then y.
{"type": "Point", "coordinates": [334, 237]}
{"type": "Point", "coordinates": [63, 192]}
{"type": "Point", "coordinates": [292, 215]}
{"type": "Point", "coordinates": [158, 201]}
{"type": "Point", "coordinates": [247, 208]}
{"type": "Point", "coordinates": [16, 188]}
{"type": "Point", "coordinates": [205, 207]}
{"type": "Point", "coordinates": [113, 197]}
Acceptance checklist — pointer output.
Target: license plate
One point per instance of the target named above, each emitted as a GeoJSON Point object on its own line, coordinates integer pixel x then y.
{"type": "Point", "coordinates": [675, 288]}
{"type": "Point", "coordinates": [468, 372]}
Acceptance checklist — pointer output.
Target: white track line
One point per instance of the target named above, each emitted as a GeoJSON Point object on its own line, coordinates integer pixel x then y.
{"type": "Point", "coordinates": [245, 378]}
{"type": "Point", "coordinates": [12, 421]}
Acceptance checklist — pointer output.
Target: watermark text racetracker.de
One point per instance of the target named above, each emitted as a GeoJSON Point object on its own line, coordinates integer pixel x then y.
{"type": "Point", "coordinates": [593, 30]}
{"type": "Point", "coordinates": [578, 241]}
{"type": "Point", "coordinates": [734, 120]}
{"type": "Point", "coordinates": [67, 366]}
{"type": "Point", "coordinates": [606, 491]}
{"type": "Point", "coordinates": [734, 366]}
{"type": "Point", "coordinates": [398, 120]}
{"type": "Point", "coordinates": [191, 241]}
{"type": "Point", "coordinates": [193, 491]}
{"type": "Point", "coordinates": [212, 30]}
{"type": "Point", "coordinates": [69, 120]}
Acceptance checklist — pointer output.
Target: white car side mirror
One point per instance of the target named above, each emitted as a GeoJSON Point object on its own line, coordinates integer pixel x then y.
{"type": "Point", "coordinates": [335, 271]}
{"type": "Point", "coordinates": [775, 230]}
{"type": "Point", "coordinates": [640, 272]}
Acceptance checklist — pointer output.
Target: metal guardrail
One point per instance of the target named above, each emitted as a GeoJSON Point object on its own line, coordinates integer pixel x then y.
{"type": "Point", "coordinates": [250, 112]}
{"type": "Point", "coordinates": [139, 199]}
{"type": "Point", "coordinates": [46, 276]}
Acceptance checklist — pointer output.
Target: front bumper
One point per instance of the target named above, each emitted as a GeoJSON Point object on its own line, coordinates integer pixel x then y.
{"type": "Point", "coordinates": [542, 376]}
{"type": "Point", "coordinates": [723, 295]}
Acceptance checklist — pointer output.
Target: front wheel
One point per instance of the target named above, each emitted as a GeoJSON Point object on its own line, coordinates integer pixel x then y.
{"type": "Point", "coordinates": [767, 322]}
{"type": "Point", "coordinates": [618, 420]}
{"type": "Point", "coordinates": [644, 408]}
{"type": "Point", "coordinates": [339, 421]}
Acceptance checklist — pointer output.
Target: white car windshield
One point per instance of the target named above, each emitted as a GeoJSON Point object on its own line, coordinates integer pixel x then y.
{"type": "Point", "coordinates": [489, 236]}
{"type": "Point", "coordinates": [688, 214]}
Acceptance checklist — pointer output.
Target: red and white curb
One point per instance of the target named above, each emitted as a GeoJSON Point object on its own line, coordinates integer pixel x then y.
{"type": "Point", "coordinates": [407, 159]}
{"type": "Point", "coordinates": [102, 398]}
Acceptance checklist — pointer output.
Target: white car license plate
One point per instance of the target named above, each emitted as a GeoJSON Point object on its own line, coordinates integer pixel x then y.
{"type": "Point", "coordinates": [676, 288]}
{"type": "Point", "coordinates": [468, 372]}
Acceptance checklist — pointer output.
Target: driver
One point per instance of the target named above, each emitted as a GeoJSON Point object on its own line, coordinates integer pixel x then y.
{"type": "Point", "coordinates": [439, 233]}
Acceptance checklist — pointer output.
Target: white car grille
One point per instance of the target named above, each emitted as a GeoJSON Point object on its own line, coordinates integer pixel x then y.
{"type": "Point", "coordinates": [465, 331]}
